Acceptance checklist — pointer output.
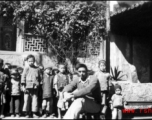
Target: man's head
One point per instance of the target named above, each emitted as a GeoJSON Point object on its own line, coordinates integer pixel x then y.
{"type": "Point", "coordinates": [82, 71]}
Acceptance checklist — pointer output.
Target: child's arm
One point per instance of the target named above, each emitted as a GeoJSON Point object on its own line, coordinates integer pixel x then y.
{"type": "Point", "coordinates": [55, 85]}
{"type": "Point", "coordinates": [111, 102]}
{"type": "Point", "coordinates": [124, 101]}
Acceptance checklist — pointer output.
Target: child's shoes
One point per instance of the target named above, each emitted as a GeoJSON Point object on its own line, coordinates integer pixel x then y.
{"type": "Point", "coordinates": [44, 116]}
{"type": "Point", "coordinates": [17, 115]}
{"type": "Point", "coordinates": [35, 116]}
{"type": "Point", "coordinates": [12, 115]}
{"type": "Point", "coordinates": [2, 116]}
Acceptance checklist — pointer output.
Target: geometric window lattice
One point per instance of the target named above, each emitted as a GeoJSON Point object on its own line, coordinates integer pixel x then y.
{"type": "Point", "coordinates": [90, 49]}
{"type": "Point", "coordinates": [35, 44]}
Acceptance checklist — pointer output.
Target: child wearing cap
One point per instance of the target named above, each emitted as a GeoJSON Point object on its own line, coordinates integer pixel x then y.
{"type": "Point", "coordinates": [117, 102]}
{"type": "Point", "coordinates": [15, 92]}
{"type": "Point", "coordinates": [47, 86]}
{"type": "Point", "coordinates": [3, 89]}
{"type": "Point", "coordinates": [30, 83]}
{"type": "Point", "coordinates": [104, 79]}
{"type": "Point", "coordinates": [60, 81]}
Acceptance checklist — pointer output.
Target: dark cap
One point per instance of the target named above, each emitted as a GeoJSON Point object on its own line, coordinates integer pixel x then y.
{"type": "Point", "coordinates": [1, 61]}
{"type": "Point", "coordinates": [48, 68]}
{"type": "Point", "coordinates": [117, 86]}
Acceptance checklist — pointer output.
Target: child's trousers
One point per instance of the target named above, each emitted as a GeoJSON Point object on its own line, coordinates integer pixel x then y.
{"type": "Point", "coordinates": [31, 97]}
{"type": "Point", "coordinates": [48, 104]}
{"type": "Point", "coordinates": [15, 102]}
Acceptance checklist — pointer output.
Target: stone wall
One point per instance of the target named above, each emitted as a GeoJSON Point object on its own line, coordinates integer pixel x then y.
{"type": "Point", "coordinates": [18, 59]}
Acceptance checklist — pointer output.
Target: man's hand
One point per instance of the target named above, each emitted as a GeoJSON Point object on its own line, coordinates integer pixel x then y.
{"type": "Point", "coordinates": [68, 96]}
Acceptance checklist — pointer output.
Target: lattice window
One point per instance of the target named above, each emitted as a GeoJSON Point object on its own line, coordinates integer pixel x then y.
{"type": "Point", "coordinates": [35, 44]}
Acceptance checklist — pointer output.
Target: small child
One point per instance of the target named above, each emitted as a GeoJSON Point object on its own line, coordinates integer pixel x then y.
{"type": "Point", "coordinates": [3, 89]}
{"type": "Point", "coordinates": [30, 81]}
{"type": "Point", "coordinates": [117, 103]}
{"type": "Point", "coordinates": [104, 79]}
{"type": "Point", "coordinates": [15, 92]}
{"type": "Point", "coordinates": [60, 81]}
{"type": "Point", "coordinates": [7, 68]}
{"type": "Point", "coordinates": [47, 86]}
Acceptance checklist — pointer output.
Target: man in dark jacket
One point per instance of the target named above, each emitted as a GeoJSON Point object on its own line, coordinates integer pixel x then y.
{"type": "Point", "coordinates": [85, 90]}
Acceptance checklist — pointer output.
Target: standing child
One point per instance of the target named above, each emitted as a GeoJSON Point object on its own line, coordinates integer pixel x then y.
{"type": "Point", "coordinates": [47, 86]}
{"type": "Point", "coordinates": [30, 81]}
{"type": "Point", "coordinates": [117, 103]}
{"type": "Point", "coordinates": [15, 93]}
{"type": "Point", "coordinates": [7, 68]}
{"type": "Point", "coordinates": [60, 81]}
{"type": "Point", "coordinates": [3, 89]}
{"type": "Point", "coordinates": [104, 79]}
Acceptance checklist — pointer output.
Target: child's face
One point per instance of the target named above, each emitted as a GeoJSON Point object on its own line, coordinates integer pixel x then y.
{"type": "Point", "coordinates": [102, 67]}
{"type": "Point", "coordinates": [48, 71]}
{"type": "Point", "coordinates": [118, 91]}
{"type": "Point", "coordinates": [62, 68]}
{"type": "Point", "coordinates": [31, 61]}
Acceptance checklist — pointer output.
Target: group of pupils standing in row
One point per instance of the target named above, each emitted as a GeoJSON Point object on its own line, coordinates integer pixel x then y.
{"type": "Point", "coordinates": [40, 86]}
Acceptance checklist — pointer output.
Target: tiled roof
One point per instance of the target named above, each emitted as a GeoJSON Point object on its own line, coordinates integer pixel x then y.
{"type": "Point", "coordinates": [130, 8]}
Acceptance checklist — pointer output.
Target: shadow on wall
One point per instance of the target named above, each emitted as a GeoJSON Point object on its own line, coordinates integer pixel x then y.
{"type": "Point", "coordinates": [132, 56]}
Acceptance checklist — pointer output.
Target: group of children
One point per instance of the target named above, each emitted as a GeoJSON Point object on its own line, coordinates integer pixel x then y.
{"type": "Point", "coordinates": [41, 85]}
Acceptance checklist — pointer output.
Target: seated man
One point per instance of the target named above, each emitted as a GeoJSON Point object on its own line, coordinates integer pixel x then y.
{"type": "Point", "coordinates": [86, 95]}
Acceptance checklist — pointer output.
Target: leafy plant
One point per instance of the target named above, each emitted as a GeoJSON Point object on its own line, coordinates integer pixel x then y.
{"type": "Point", "coordinates": [66, 26]}
{"type": "Point", "coordinates": [116, 74]}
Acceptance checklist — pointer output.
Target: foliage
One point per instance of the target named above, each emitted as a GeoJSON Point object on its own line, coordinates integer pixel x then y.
{"type": "Point", "coordinates": [66, 26]}
{"type": "Point", "coordinates": [115, 74]}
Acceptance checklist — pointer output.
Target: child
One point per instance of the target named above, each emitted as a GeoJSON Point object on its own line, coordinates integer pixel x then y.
{"type": "Point", "coordinates": [47, 83]}
{"type": "Point", "coordinates": [104, 79]}
{"type": "Point", "coordinates": [117, 103]}
{"type": "Point", "coordinates": [60, 81]}
{"type": "Point", "coordinates": [30, 81]}
{"type": "Point", "coordinates": [40, 89]}
{"type": "Point", "coordinates": [7, 67]}
{"type": "Point", "coordinates": [15, 92]}
{"type": "Point", "coordinates": [3, 88]}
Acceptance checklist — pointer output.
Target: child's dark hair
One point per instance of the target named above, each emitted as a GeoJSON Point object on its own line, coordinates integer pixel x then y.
{"type": "Point", "coordinates": [55, 70]}
{"type": "Point", "coordinates": [117, 86]}
{"type": "Point", "coordinates": [20, 70]}
{"type": "Point", "coordinates": [9, 65]}
{"type": "Point", "coordinates": [30, 56]}
{"type": "Point", "coordinates": [101, 61]}
{"type": "Point", "coordinates": [14, 71]}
